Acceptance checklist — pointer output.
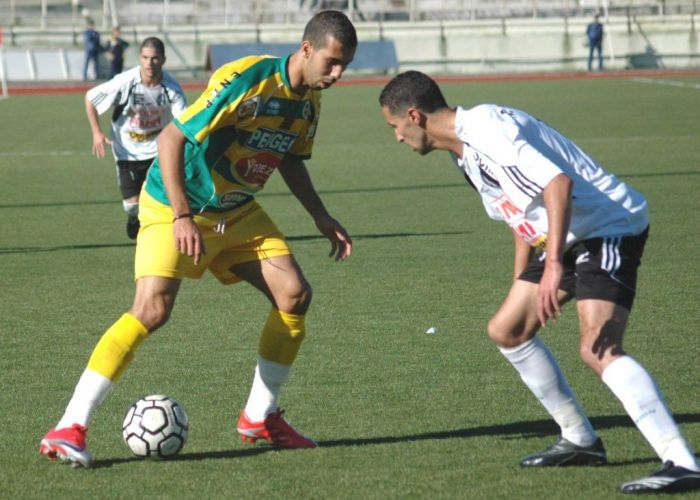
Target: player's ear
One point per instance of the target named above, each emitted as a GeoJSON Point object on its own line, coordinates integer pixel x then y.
{"type": "Point", "coordinates": [306, 48]}
{"type": "Point", "coordinates": [416, 116]}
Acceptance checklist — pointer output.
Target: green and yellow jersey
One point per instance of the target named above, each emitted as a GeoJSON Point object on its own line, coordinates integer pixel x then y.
{"type": "Point", "coordinates": [238, 131]}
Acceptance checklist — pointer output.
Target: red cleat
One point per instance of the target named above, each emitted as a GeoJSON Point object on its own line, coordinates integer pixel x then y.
{"type": "Point", "coordinates": [274, 429]}
{"type": "Point", "coordinates": [67, 445]}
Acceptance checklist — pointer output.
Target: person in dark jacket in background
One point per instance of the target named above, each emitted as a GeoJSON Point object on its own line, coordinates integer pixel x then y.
{"type": "Point", "coordinates": [115, 52]}
{"type": "Point", "coordinates": [594, 32]}
{"type": "Point", "coordinates": [92, 49]}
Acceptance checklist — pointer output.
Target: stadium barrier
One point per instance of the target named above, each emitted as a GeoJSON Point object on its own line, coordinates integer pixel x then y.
{"type": "Point", "coordinates": [479, 47]}
{"type": "Point", "coordinates": [375, 56]}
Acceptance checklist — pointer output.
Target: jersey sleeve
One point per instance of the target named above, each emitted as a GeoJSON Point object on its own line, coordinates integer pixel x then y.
{"type": "Point", "coordinates": [511, 141]}
{"type": "Point", "coordinates": [216, 108]}
{"type": "Point", "coordinates": [103, 96]}
{"type": "Point", "coordinates": [178, 101]}
{"type": "Point", "coordinates": [178, 104]}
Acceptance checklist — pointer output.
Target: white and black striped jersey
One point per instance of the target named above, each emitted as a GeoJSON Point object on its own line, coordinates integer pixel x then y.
{"type": "Point", "coordinates": [509, 157]}
{"type": "Point", "coordinates": [140, 112]}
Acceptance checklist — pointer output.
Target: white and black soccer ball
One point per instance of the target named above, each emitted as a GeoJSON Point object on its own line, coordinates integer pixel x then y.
{"type": "Point", "coordinates": [155, 426]}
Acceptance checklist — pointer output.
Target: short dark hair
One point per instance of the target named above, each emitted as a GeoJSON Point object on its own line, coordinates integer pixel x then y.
{"type": "Point", "coordinates": [154, 42]}
{"type": "Point", "coordinates": [412, 89]}
{"type": "Point", "coordinates": [330, 23]}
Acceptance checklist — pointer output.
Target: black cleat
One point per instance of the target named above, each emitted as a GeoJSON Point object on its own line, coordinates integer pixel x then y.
{"type": "Point", "coordinates": [669, 479]}
{"type": "Point", "coordinates": [132, 227]}
{"type": "Point", "coordinates": [564, 452]}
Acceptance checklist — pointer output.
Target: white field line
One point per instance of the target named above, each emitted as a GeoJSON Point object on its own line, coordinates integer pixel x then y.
{"type": "Point", "coordinates": [645, 138]}
{"type": "Point", "coordinates": [670, 83]}
{"type": "Point", "coordinates": [25, 154]}
{"type": "Point", "coordinates": [640, 138]}
{"type": "Point", "coordinates": [13, 154]}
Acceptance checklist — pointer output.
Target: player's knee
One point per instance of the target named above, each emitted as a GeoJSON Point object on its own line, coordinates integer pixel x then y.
{"type": "Point", "coordinates": [585, 351]}
{"type": "Point", "coordinates": [599, 354]}
{"type": "Point", "coordinates": [296, 297]}
{"type": "Point", "coordinates": [131, 208]}
{"type": "Point", "coordinates": [591, 359]}
{"type": "Point", "coordinates": [498, 332]}
{"type": "Point", "coordinates": [153, 313]}
{"type": "Point", "coordinates": [504, 333]}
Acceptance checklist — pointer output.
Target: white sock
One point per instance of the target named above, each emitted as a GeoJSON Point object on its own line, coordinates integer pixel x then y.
{"type": "Point", "coordinates": [91, 390]}
{"type": "Point", "coordinates": [642, 399]}
{"type": "Point", "coordinates": [541, 373]}
{"type": "Point", "coordinates": [267, 383]}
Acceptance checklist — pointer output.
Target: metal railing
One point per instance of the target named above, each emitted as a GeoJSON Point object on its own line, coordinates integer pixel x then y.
{"type": "Point", "coordinates": [163, 13]}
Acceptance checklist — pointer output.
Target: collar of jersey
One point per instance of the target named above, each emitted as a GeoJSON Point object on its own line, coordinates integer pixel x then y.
{"type": "Point", "coordinates": [284, 70]}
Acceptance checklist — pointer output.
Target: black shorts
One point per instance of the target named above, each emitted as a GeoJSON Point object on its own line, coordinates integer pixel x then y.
{"type": "Point", "coordinates": [131, 176]}
{"type": "Point", "coordinates": [599, 268]}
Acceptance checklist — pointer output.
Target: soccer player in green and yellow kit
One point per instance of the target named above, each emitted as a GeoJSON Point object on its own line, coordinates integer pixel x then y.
{"type": "Point", "coordinates": [198, 211]}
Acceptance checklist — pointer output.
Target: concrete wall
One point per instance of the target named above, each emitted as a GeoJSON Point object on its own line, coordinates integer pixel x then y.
{"type": "Point", "coordinates": [474, 47]}
{"type": "Point", "coordinates": [544, 45]}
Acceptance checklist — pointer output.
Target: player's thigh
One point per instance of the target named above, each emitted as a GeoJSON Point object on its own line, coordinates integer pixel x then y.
{"type": "Point", "coordinates": [516, 319]}
{"type": "Point", "coordinates": [156, 249]}
{"type": "Point", "coordinates": [249, 240]}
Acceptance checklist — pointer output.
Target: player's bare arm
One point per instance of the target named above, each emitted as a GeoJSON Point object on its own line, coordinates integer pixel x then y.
{"type": "Point", "coordinates": [521, 255]}
{"type": "Point", "coordinates": [99, 139]}
{"type": "Point", "coordinates": [557, 201]}
{"type": "Point", "coordinates": [297, 178]}
{"type": "Point", "coordinates": [171, 145]}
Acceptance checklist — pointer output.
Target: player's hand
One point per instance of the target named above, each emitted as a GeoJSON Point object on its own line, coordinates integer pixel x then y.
{"type": "Point", "coordinates": [98, 144]}
{"type": "Point", "coordinates": [188, 239]}
{"type": "Point", "coordinates": [548, 291]}
{"type": "Point", "coordinates": [341, 243]}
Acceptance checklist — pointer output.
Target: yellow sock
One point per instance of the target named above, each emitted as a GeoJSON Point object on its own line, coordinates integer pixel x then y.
{"type": "Point", "coordinates": [115, 350]}
{"type": "Point", "coordinates": [281, 337]}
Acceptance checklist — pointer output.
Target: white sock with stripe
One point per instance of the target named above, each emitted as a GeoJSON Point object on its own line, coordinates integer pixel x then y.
{"type": "Point", "coordinates": [541, 373]}
{"type": "Point", "coordinates": [642, 399]}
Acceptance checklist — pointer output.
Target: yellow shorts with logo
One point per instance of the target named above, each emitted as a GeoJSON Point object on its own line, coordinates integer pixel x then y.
{"type": "Point", "coordinates": [250, 235]}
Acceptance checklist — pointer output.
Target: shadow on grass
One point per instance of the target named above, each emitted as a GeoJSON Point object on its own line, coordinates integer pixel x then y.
{"type": "Point", "coordinates": [208, 455]}
{"type": "Point", "coordinates": [379, 236]}
{"type": "Point", "coordinates": [15, 250]}
{"type": "Point", "coordinates": [533, 428]}
{"type": "Point", "coordinates": [514, 430]}
{"type": "Point", "coordinates": [314, 237]}
{"type": "Point", "coordinates": [261, 195]}
{"type": "Point", "coordinates": [358, 190]}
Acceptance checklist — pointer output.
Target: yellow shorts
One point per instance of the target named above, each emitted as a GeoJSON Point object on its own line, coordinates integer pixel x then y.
{"type": "Point", "coordinates": [250, 235]}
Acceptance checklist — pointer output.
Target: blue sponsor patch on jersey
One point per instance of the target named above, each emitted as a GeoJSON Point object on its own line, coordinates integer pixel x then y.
{"type": "Point", "coordinates": [276, 141]}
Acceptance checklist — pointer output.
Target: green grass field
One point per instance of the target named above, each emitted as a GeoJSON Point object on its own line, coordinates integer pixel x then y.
{"type": "Point", "coordinates": [397, 413]}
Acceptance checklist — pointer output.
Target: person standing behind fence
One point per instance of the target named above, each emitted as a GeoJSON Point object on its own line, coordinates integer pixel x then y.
{"type": "Point", "coordinates": [144, 100]}
{"type": "Point", "coordinates": [92, 49]}
{"type": "Point", "coordinates": [115, 52]}
{"type": "Point", "coordinates": [594, 32]}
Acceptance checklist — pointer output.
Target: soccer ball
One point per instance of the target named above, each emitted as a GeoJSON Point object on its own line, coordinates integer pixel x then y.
{"type": "Point", "coordinates": [155, 426]}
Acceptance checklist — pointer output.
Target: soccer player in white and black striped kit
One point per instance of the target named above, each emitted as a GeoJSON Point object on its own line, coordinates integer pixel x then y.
{"type": "Point", "coordinates": [579, 233]}
{"type": "Point", "coordinates": [144, 100]}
